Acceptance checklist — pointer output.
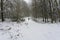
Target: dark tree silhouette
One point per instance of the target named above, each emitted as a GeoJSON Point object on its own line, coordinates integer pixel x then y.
{"type": "Point", "coordinates": [2, 10]}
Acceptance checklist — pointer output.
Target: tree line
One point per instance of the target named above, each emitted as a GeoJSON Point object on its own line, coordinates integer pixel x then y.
{"type": "Point", "coordinates": [47, 9]}
{"type": "Point", "coordinates": [15, 10]}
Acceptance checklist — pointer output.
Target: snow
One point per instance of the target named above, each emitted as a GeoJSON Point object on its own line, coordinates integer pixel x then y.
{"type": "Point", "coordinates": [29, 30]}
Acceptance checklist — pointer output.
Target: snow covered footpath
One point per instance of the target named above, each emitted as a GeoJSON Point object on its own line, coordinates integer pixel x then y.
{"type": "Point", "coordinates": [29, 30]}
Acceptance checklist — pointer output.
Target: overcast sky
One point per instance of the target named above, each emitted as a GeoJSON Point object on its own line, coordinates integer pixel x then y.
{"type": "Point", "coordinates": [28, 1]}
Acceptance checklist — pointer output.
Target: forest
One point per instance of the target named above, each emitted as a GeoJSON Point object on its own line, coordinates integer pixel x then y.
{"type": "Point", "coordinates": [48, 10]}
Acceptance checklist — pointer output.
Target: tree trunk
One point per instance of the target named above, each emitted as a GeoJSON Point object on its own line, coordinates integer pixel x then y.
{"type": "Point", "coordinates": [2, 10]}
{"type": "Point", "coordinates": [50, 11]}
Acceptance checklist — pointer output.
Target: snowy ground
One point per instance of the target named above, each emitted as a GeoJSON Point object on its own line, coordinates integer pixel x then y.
{"type": "Point", "coordinates": [29, 30]}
